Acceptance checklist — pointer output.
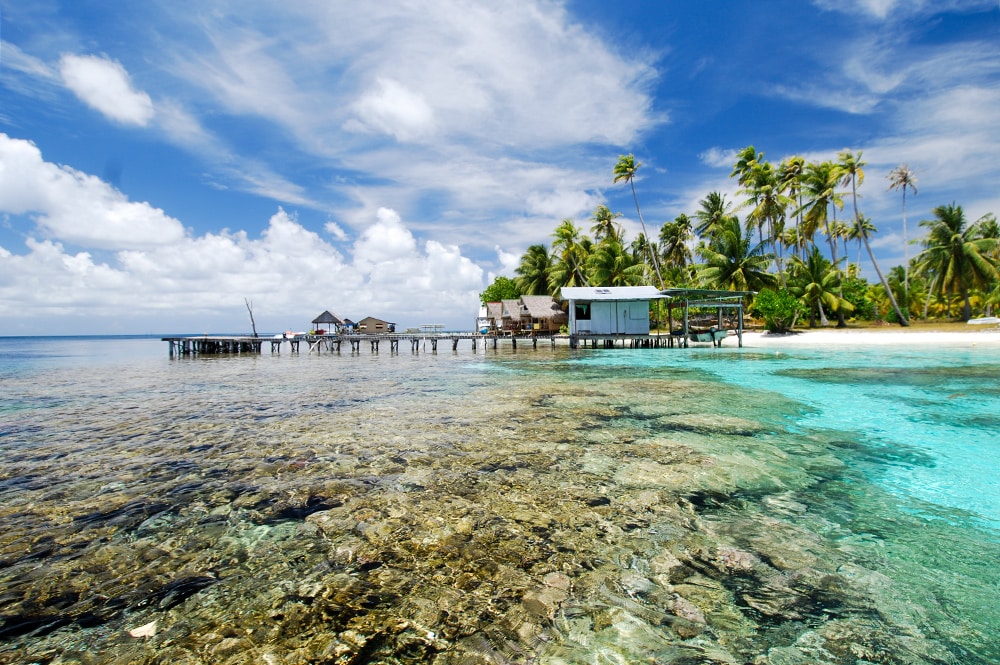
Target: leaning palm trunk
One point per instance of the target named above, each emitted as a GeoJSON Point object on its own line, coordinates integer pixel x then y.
{"type": "Point", "coordinates": [892, 299]}
{"type": "Point", "coordinates": [864, 236]}
{"type": "Point", "coordinates": [927, 301]}
{"type": "Point", "coordinates": [656, 264]}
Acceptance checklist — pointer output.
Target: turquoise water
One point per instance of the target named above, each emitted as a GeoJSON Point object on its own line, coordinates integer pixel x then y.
{"type": "Point", "coordinates": [554, 506]}
{"type": "Point", "coordinates": [937, 411]}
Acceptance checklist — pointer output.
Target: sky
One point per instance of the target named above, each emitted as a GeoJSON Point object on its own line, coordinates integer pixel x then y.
{"type": "Point", "coordinates": [164, 163]}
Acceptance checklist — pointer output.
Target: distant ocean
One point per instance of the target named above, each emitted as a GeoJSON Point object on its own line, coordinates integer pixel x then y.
{"type": "Point", "coordinates": [554, 506]}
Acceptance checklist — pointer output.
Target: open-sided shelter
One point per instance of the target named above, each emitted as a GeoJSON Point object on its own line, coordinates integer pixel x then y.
{"type": "Point", "coordinates": [329, 320]}
{"type": "Point", "coordinates": [715, 302]}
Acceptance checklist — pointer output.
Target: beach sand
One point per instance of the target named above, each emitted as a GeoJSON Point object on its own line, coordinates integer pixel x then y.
{"type": "Point", "coordinates": [952, 336]}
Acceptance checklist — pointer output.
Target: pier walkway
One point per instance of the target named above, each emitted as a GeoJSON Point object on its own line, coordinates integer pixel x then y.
{"type": "Point", "coordinates": [335, 343]}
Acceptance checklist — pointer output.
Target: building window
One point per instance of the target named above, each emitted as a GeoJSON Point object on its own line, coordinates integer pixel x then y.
{"type": "Point", "coordinates": [583, 311]}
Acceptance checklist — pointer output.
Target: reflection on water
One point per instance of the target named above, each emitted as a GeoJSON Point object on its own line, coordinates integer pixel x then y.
{"type": "Point", "coordinates": [544, 506]}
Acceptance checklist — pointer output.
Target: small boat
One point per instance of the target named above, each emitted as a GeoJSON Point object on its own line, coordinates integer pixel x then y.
{"type": "Point", "coordinates": [713, 335]}
{"type": "Point", "coordinates": [986, 320]}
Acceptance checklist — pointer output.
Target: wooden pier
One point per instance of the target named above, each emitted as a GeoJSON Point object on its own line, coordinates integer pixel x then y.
{"type": "Point", "coordinates": [336, 343]}
{"type": "Point", "coordinates": [423, 341]}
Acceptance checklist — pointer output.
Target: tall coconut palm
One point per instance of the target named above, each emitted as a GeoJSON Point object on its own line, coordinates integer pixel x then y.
{"type": "Point", "coordinates": [731, 263]}
{"type": "Point", "coordinates": [958, 254]}
{"type": "Point", "coordinates": [791, 173]}
{"type": "Point", "coordinates": [902, 177]}
{"type": "Point", "coordinates": [714, 210]}
{"type": "Point", "coordinates": [570, 251]}
{"type": "Point", "coordinates": [816, 282]}
{"type": "Point", "coordinates": [764, 193]}
{"type": "Point", "coordinates": [819, 186]}
{"type": "Point", "coordinates": [604, 224]}
{"type": "Point", "coordinates": [535, 272]}
{"type": "Point", "coordinates": [626, 169]}
{"type": "Point", "coordinates": [745, 161]}
{"type": "Point", "coordinates": [611, 265]}
{"type": "Point", "coordinates": [851, 167]}
{"type": "Point", "coordinates": [674, 239]}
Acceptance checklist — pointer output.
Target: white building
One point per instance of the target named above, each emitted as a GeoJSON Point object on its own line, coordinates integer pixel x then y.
{"type": "Point", "coordinates": [609, 310]}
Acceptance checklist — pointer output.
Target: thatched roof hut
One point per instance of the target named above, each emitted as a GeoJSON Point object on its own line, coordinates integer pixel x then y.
{"type": "Point", "coordinates": [544, 313]}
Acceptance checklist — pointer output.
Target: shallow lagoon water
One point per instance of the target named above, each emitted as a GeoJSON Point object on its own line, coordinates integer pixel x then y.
{"type": "Point", "coordinates": [667, 506]}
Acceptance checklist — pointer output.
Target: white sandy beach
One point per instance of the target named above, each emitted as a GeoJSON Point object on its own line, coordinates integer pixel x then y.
{"type": "Point", "coordinates": [974, 335]}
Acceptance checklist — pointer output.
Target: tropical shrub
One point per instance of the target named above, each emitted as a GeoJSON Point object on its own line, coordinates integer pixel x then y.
{"type": "Point", "coordinates": [855, 291]}
{"type": "Point", "coordinates": [778, 309]}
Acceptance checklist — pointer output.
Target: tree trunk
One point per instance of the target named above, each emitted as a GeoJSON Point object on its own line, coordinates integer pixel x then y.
{"type": "Point", "coordinates": [656, 264]}
{"type": "Point", "coordinates": [864, 236]}
{"type": "Point", "coordinates": [250, 309]}
{"type": "Point", "coordinates": [892, 299]}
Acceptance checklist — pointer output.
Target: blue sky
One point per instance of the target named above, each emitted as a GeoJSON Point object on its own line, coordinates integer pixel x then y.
{"type": "Point", "coordinates": [160, 162]}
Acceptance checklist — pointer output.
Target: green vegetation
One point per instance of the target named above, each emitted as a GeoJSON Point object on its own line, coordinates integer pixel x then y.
{"type": "Point", "coordinates": [789, 246]}
{"type": "Point", "coordinates": [778, 309]}
{"type": "Point", "coordinates": [502, 288]}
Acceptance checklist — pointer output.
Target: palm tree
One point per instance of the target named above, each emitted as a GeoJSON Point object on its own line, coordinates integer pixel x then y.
{"type": "Point", "coordinates": [817, 283]}
{"type": "Point", "coordinates": [731, 263]}
{"type": "Point", "coordinates": [820, 189]}
{"type": "Point", "coordinates": [990, 229]}
{"type": "Point", "coordinates": [791, 173]}
{"type": "Point", "coordinates": [764, 191]}
{"type": "Point", "coordinates": [626, 169]}
{"type": "Point", "coordinates": [535, 272]}
{"type": "Point", "coordinates": [902, 177]}
{"type": "Point", "coordinates": [604, 224]}
{"type": "Point", "coordinates": [570, 252]}
{"type": "Point", "coordinates": [958, 254]}
{"type": "Point", "coordinates": [852, 171]}
{"type": "Point", "coordinates": [714, 210]}
{"type": "Point", "coordinates": [745, 160]}
{"type": "Point", "coordinates": [674, 239]}
{"type": "Point", "coordinates": [612, 265]}
{"type": "Point", "coordinates": [641, 248]}
{"type": "Point", "coordinates": [854, 233]}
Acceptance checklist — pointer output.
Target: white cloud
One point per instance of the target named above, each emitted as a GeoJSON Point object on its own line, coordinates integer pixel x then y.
{"type": "Point", "coordinates": [892, 9]}
{"type": "Point", "coordinates": [384, 243]}
{"type": "Point", "coordinates": [509, 261]}
{"type": "Point", "coordinates": [411, 96]}
{"type": "Point", "coordinates": [719, 157]}
{"type": "Point", "coordinates": [393, 109]}
{"type": "Point", "coordinates": [17, 60]}
{"type": "Point", "coordinates": [876, 8]}
{"type": "Point", "coordinates": [153, 276]}
{"type": "Point", "coordinates": [104, 85]}
{"type": "Point", "coordinates": [75, 207]}
{"type": "Point", "coordinates": [335, 230]}
{"type": "Point", "coordinates": [289, 272]}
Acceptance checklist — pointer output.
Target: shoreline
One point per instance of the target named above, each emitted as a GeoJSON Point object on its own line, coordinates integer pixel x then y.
{"type": "Point", "coordinates": [973, 336]}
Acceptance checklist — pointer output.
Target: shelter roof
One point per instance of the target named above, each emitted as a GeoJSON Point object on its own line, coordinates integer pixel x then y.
{"type": "Point", "coordinates": [610, 293]}
{"type": "Point", "coordinates": [704, 294]}
{"type": "Point", "coordinates": [327, 317]}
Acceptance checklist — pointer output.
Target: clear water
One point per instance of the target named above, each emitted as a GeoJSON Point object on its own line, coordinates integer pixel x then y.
{"type": "Point", "coordinates": [611, 506]}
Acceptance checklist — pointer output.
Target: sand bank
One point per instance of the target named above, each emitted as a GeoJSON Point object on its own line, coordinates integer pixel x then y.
{"type": "Point", "coordinates": [968, 335]}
